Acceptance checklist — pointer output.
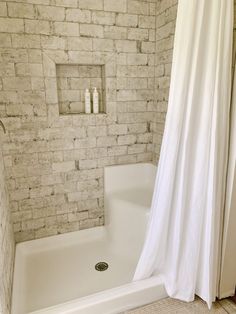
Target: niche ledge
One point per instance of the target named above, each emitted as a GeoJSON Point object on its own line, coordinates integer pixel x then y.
{"type": "Point", "coordinates": [72, 80]}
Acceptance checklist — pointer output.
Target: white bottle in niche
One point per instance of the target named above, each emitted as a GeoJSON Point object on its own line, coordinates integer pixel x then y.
{"type": "Point", "coordinates": [95, 101]}
{"type": "Point", "coordinates": [87, 101]}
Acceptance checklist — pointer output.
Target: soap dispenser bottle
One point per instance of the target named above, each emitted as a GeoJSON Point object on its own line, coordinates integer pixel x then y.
{"type": "Point", "coordinates": [87, 101]}
{"type": "Point", "coordinates": [95, 101]}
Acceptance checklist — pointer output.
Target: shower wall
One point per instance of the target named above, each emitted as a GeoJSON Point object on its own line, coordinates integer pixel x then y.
{"type": "Point", "coordinates": [54, 161]}
{"type": "Point", "coordinates": [7, 246]}
{"type": "Point", "coordinates": [165, 29]}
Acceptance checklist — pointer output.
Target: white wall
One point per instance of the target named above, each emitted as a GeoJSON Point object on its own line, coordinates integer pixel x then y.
{"type": "Point", "coordinates": [7, 244]}
{"type": "Point", "coordinates": [228, 266]}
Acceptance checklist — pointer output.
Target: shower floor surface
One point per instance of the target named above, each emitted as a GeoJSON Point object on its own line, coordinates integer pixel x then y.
{"type": "Point", "coordinates": [56, 274]}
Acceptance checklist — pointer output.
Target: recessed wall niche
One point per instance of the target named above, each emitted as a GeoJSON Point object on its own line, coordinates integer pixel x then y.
{"type": "Point", "coordinates": [72, 80]}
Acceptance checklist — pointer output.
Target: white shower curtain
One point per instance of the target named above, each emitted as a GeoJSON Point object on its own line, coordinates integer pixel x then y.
{"type": "Point", "coordinates": [182, 241]}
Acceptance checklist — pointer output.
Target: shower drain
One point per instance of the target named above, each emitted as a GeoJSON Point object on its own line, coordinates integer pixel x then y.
{"type": "Point", "coordinates": [101, 266]}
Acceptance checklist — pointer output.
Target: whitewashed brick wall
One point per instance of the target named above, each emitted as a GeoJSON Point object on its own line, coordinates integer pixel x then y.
{"type": "Point", "coordinates": [165, 29]}
{"type": "Point", "coordinates": [7, 244]}
{"type": "Point", "coordinates": [54, 164]}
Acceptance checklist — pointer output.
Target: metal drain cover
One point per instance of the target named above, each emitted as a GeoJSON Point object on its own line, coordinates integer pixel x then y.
{"type": "Point", "coordinates": [101, 266]}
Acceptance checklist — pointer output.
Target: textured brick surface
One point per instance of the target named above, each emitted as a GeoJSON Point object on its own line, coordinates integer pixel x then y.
{"type": "Point", "coordinates": [54, 163]}
{"type": "Point", "coordinates": [165, 28]}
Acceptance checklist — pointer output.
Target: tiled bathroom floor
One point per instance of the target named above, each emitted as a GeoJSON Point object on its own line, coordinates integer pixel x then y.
{"type": "Point", "coordinates": [172, 306]}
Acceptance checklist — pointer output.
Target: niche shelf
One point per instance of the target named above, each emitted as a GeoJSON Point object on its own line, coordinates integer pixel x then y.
{"type": "Point", "coordinates": [72, 80]}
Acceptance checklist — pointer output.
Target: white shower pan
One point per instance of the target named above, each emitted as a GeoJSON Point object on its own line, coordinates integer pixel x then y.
{"type": "Point", "coordinates": [57, 274]}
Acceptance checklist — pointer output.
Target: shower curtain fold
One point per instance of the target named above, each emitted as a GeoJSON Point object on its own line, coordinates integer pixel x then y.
{"type": "Point", "coordinates": [183, 236]}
